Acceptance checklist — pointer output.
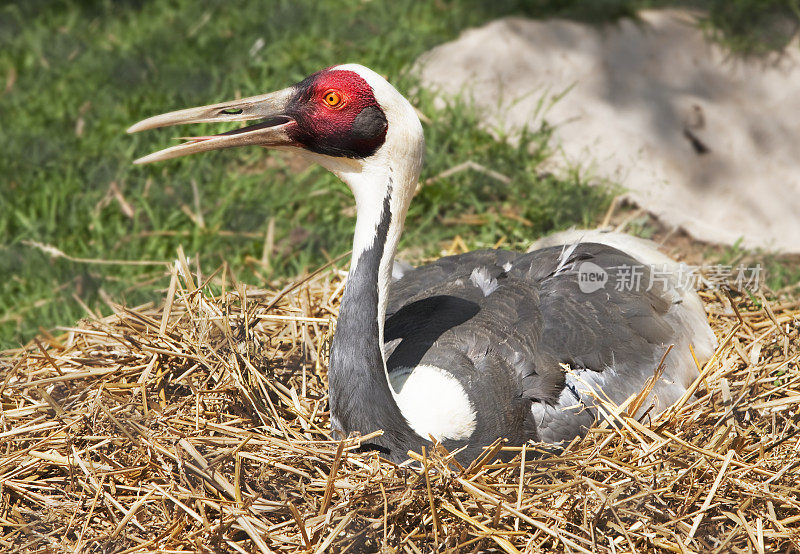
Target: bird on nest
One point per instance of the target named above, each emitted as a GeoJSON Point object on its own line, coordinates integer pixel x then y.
{"type": "Point", "coordinates": [475, 347]}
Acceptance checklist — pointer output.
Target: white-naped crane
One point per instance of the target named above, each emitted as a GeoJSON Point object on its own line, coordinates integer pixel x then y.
{"type": "Point", "coordinates": [474, 347]}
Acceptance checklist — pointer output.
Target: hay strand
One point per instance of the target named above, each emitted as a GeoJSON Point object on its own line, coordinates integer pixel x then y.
{"type": "Point", "coordinates": [203, 425]}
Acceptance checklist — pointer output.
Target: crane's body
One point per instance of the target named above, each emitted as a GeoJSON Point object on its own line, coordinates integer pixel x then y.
{"type": "Point", "coordinates": [471, 348]}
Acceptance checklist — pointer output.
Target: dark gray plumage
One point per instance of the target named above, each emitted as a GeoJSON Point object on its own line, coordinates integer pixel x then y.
{"type": "Point", "coordinates": [535, 319]}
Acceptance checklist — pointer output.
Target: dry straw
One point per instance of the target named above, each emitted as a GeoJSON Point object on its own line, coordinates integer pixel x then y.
{"type": "Point", "coordinates": [202, 425]}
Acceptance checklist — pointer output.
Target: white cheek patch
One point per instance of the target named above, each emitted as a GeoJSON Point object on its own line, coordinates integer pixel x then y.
{"type": "Point", "coordinates": [433, 402]}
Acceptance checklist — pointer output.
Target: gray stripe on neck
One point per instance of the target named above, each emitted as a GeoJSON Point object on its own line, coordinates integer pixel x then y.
{"type": "Point", "coordinates": [360, 398]}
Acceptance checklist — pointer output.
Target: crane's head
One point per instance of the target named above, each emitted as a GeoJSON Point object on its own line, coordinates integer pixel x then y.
{"type": "Point", "coordinates": [345, 113]}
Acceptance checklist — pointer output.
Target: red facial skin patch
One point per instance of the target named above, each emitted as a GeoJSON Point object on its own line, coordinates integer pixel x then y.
{"type": "Point", "coordinates": [355, 127]}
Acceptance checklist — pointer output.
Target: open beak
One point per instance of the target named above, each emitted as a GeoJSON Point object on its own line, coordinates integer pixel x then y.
{"type": "Point", "coordinates": [271, 131]}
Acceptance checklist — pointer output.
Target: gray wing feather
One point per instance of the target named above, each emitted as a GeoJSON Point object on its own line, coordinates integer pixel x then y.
{"type": "Point", "coordinates": [534, 320]}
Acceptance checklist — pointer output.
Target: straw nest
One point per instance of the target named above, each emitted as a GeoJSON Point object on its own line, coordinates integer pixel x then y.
{"type": "Point", "coordinates": [201, 425]}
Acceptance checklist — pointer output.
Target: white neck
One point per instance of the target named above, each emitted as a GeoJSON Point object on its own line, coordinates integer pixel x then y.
{"type": "Point", "coordinates": [374, 182]}
{"type": "Point", "coordinates": [393, 172]}
{"type": "Point", "coordinates": [361, 398]}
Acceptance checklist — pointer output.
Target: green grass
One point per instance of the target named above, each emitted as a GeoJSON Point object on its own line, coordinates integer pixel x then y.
{"type": "Point", "coordinates": [74, 75]}
{"type": "Point", "coordinates": [753, 27]}
{"type": "Point", "coordinates": [776, 272]}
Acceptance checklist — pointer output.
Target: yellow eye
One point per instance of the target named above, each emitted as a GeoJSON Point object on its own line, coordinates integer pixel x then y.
{"type": "Point", "coordinates": [332, 98]}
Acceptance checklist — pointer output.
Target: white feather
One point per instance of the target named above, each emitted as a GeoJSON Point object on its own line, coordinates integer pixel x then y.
{"type": "Point", "coordinates": [433, 402]}
{"type": "Point", "coordinates": [566, 252]}
{"type": "Point", "coordinates": [480, 278]}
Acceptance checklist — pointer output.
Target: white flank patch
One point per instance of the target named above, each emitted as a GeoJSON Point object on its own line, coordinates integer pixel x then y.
{"type": "Point", "coordinates": [586, 383]}
{"type": "Point", "coordinates": [480, 278]}
{"type": "Point", "coordinates": [614, 385]}
{"type": "Point", "coordinates": [433, 402]}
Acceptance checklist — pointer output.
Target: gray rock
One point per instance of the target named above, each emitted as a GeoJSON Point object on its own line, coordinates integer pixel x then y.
{"type": "Point", "coordinates": [702, 139]}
